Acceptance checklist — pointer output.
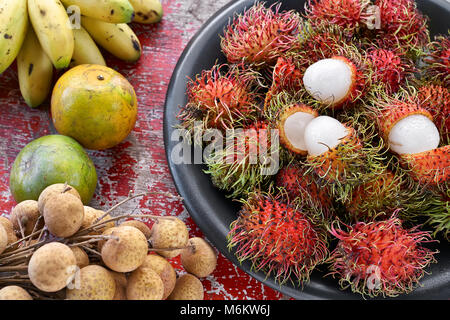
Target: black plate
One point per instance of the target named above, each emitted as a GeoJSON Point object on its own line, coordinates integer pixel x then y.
{"type": "Point", "coordinates": [208, 206]}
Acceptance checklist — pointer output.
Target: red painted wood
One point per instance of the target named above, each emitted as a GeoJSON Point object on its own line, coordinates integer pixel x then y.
{"type": "Point", "coordinates": [139, 163]}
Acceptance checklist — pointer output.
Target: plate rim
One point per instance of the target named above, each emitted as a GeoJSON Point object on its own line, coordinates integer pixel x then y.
{"type": "Point", "coordinates": [291, 290]}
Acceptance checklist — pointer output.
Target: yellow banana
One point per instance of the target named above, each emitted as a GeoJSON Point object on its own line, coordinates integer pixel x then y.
{"type": "Point", "coordinates": [147, 11]}
{"type": "Point", "coordinates": [13, 28]}
{"type": "Point", "coordinates": [52, 26]}
{"type": "Point", "coordinates": [118, 39]}
{"type": "Point", "coordinates": [85, 51]}
{"type": "Point", "coordinates": [35, 71]}
{"type": "Point", "coordinates": [113, 11]}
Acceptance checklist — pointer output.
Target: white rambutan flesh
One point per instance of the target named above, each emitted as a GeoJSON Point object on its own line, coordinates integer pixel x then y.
{"type": "Point", "coordinates": [322, 134]}
{"type": "Point", "coordinates": [413, 134]}
{"type": "Point", "coordinates": [329, 80]}
{"type": "Point", "coordinates": [294, 128]}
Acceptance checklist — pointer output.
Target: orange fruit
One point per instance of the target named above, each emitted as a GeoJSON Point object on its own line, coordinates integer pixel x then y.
{"type": "Point", "coordinates": [95, 105]}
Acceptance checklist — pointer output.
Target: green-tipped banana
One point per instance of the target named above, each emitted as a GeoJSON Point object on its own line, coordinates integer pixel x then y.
{"type": "Point", "coordinates": [52, 26]}
{"type": "Point", "coordinates": [118, 39]}
{"type": "Point", "coordinates": [147, 11]}
{"type": "Point", "coordinates": [35, 71]}
{"type": "Point", "coordinates": [13, 28]}
{"type": "Point", "coordinates": [86, 51]}
{"type": "Point", "coordinates": [112, 11]}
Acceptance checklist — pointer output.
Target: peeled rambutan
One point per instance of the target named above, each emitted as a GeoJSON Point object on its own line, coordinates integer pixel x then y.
{"type": "Point", "coordinates": [340, 155]}
{"type": "Point", "coordinates": [401, 25]}
{"type": "Point", "coordinates": [437, 61]}
{"type": "Point", "coordinates": [260, 35]}
{"type": "Point", "coordinates": [220, 99]}
{"type": "Point", "coordinates": [338, 81]}
{"type": "Point", "coordinates": [277, 238]}
{"type": "Point", "coordinates": [390, 68]}
{"type": "Point", "coordinates": [303, 188]}
{"type": "Point", "coordinates": [404, 125]}
{"type": "Point", "coordinates": [247, 160]}
{"type": "Point", "coordinates": [436, 99]}
{"type": "Point", "coordinates": [380, 258]}
{"type": "Point", "coordinates": [345, 13]}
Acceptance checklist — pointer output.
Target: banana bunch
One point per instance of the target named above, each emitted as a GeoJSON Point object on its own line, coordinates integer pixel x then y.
{"type": "Point", "coordinates": [43, 35]}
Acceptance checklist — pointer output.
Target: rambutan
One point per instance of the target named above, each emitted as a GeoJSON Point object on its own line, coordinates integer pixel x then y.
{"type": "Point", "coordinates": [277, 238]}
{"type": "Point", "coordinates": [285, 77]}
{"type": "Point", "coordinates": [431, 167]}
{"type": "Point", "coordinates": [380, 197]}
{"type": "Point", "coordinates": [437, 61]}
{"type": "Point", "coordinates": [247, 161]}
{"type": "Point", "coordinates": [404, 125]}
{"type": "Point", "coordinates": [436, 99]}
{"type": "Point", "coordinates": [401, 26]}
{"type": "Point", "coordinates": [390, 68]}
{"type": "Point", "coordinates": [220, 99]}
{"type": "Point", "coordinates": [260, 35]}
{"type": "Point", "coordinates": [380, 258]}
{"type": "Point", "coordinates": [345, 13]}
{"type": "Point", "coordinates": [439, 215]}
{"type": "Point", "coordinates": [339, 156]}
{"type": "Point", "coordinates": [291, 125]}
{"type": "Point", "coordinates": [301, 187]}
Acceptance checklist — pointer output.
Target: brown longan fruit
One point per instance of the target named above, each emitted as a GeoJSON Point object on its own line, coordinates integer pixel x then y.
{"type": "Point", "coordinates": [14, 293]}
{"type": "Point", "coordinates": [91, 215]}
{"type": "Point", "coordinates": [199, 257]}
{"type": "Point", "coordinates": [95, 283]}
{"type": "Point", "coordinates": [3, 239]}
{"type": "Point", "coordinates": [164, 269]}
{"type": "Point", "coordinates": [127, 251]}
{"type": "Point", "coordinates": [52, 267]}
{"type": "Point", "coordinates": [167, 234]}
{"type": "Point", "coordinates": [81, 257]}
{"type": "Point", "coordinates": [145, 284]}
{"type": "Point", "coordinates": [24, 217]}
{"type": "Point", "coordinates": [63, 214]}
{"type": "Point", "coordinates": [188, 287]}
{"type": "Point", "coordinates": [138, 225]}
{"type": "Point", "coordinates": [55, 189]}
{"type": "Point", "coordinates": [121, 285]}
{"type": "Point", "coordinates": [7, 224]}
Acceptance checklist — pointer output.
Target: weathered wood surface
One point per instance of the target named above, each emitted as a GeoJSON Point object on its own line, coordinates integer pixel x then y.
{"type": "Point", "coordinates": [139, 163]}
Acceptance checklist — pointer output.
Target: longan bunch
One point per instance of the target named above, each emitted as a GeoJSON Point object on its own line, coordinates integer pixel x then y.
{"type": "Point", "coordinates": [57, 248]}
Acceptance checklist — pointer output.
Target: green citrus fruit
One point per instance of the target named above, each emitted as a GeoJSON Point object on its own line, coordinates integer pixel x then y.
{"type": "Point", "coordinates": [48, 160]}
{"type": "Point", "coordinates": [95, 105]}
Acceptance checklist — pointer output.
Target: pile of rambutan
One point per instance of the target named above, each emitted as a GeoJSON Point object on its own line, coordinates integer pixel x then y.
{"type": "Point", "coordinates": [349, 101]}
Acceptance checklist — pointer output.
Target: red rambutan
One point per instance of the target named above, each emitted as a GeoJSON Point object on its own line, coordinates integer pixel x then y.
{"type": "Point", "coordinates": [380, 257]}
{"type": "Point", "coordinates": [246, 161]}
{"type": "Point", "coordinates": [436, 99]}
{"type": "Point", "coordinates": [302, 186]}
{"type": "Point", "coordinates": [430, 167]}
{"type": "Point", "coordinates": [437, 60]}
{"type": "Point", "coordinates": [390, 68]}
{"type": "Point", "coordinates": [401, 25]}
{"type": "Point", "coordinates": [260, 35]}
{"type": "Point", "coordinates": [345, 13]}
{"type": "Point", "coordinates": [285, 77]}
{"type": "Point", "coordinates": [277, 238]}
{"type": "Point", "coordinates": [220, 99]}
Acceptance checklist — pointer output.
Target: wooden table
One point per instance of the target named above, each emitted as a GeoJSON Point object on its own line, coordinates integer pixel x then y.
{"type": "Point", "coordinates": [139, 163]}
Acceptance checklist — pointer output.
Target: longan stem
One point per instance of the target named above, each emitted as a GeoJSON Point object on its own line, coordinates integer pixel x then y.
{"type": "Point", "coordinates": [13, 268]}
